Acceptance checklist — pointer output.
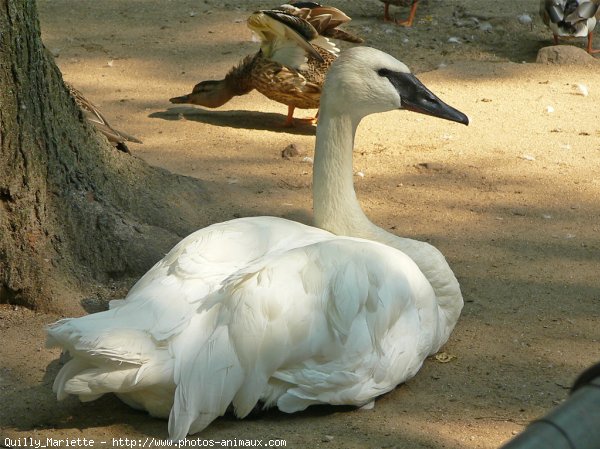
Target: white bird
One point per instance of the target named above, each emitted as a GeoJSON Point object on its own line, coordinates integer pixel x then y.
{"type": "Point", "coordinates": [267, 310]}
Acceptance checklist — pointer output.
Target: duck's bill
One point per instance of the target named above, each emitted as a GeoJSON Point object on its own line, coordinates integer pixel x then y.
{"type": "Point", "coordinates": [179, 100]}
{"type": "Point", "coordinates": [417, 98]}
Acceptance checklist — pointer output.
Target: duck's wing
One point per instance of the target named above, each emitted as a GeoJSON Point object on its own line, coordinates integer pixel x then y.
{"type": "Point", "coordinates": [584, 10]}
{"type": "Point", "coordinates": [285, 38]}
{"type": "Point", "coordinates": [95, 117]}
{"type": "Point", "coordinates": [340, 322]}
{"type": "Point", "coordinates": [570, 17]}
{"type": "Point", "coordinates": [325, 19]}
{"type": "Point", "coordinates": [552, 11]}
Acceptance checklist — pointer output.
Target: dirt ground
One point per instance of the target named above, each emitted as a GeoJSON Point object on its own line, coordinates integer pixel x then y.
{"type": "Point", "coordinates": [512, 201]}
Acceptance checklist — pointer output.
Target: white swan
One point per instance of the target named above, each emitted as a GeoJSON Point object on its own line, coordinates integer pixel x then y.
{"type": "Point", "coordinates": [270, 310]}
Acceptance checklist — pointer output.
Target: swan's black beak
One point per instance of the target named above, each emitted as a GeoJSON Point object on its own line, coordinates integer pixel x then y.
{"type": "Point", "coordinates": [417, 98]}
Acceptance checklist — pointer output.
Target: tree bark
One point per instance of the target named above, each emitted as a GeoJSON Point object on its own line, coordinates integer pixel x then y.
{"type": "Point", "coordinates": [74, 213]}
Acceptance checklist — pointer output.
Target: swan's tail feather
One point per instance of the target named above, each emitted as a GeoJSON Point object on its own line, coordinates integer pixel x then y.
{"type": "Point", "coordinates": [78, 377]}
{"type": "Point", "coordinates": [97, 381]}
{"type": "Point", "coordinates": [142, 315]}
{"type": "Point", "coordinates": [108, 346]}
{"type": "Point", "coordinates": [106, 359]}
{"type": "Point", "coordinates": [71, 368]}
{"type": "Point", "coordinates": [206, 386]}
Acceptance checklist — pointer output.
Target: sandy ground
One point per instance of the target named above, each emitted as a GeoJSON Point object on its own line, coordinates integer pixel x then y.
{"type": "Point", "coordinates": [512, 201]}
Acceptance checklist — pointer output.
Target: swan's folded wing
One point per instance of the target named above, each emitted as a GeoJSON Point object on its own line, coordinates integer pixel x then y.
{"type": "Point", "coordinates": [198, 264]}
{"type": "Point", "coordinates": [324, 311]}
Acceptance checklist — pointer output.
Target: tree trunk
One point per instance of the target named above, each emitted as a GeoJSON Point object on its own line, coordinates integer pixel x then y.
{"type": "Point", "coordinates": [75, 213]}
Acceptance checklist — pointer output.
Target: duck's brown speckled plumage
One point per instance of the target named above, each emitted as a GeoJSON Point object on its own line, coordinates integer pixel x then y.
{"type": "Point", "coordinates": [298, 88]}
{"type": "Point", "coordinates": [291, 66]}
{"type": "Point", "coordinates": [240, 79]}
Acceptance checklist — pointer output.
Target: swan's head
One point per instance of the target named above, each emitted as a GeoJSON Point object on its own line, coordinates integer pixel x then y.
{"type": "Point", "coordinates": [210, 94]}
{"type": "Point", "coordinates": [365, 81]}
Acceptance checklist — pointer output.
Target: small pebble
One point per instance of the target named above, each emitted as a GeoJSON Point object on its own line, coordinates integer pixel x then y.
{"type": "Point", "coordinates": [525, 19]}
{"type": "Point", "coordinates": [327, 438]}
{"type": "Point", "coordinates": [549, 109]}
{"type": "Point", "coordinates": [454, 40]}
{"type": "Point", "coordinates": [461, 23]}
{"type": "Point", "coordinates": [583, 89]}
{"type": "Point", "coordinates": [307, 159]}
{"type": "Point", "coordinates": [486, 27]}
{"type": "Point", "coordinates": [528, 157]}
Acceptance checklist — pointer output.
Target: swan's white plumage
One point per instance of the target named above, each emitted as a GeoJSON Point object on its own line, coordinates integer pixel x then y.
{"type": "Point", "coordinates": [136, 340]}
{"type": "Point", "coordinates": [270, 310]}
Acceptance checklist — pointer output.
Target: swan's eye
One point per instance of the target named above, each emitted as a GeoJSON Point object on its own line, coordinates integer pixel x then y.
{"type": "Point", "coordinates": [400, 80]}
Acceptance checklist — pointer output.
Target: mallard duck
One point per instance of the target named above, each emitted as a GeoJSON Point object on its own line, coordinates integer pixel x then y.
{"type": "Point", "coordinates": [571, 18]}
{"type": "Point", "coordinates": [291, 65]}
{"type": "Point", "coordinates": [271, 311]}
{"type": "Point", "coordinates": [411, 14]}
{"type": "Point", "coordinates": [95, 117]}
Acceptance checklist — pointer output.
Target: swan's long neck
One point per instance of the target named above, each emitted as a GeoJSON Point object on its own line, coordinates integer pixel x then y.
{"type": "Point", "coordinates": [336, 209]}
